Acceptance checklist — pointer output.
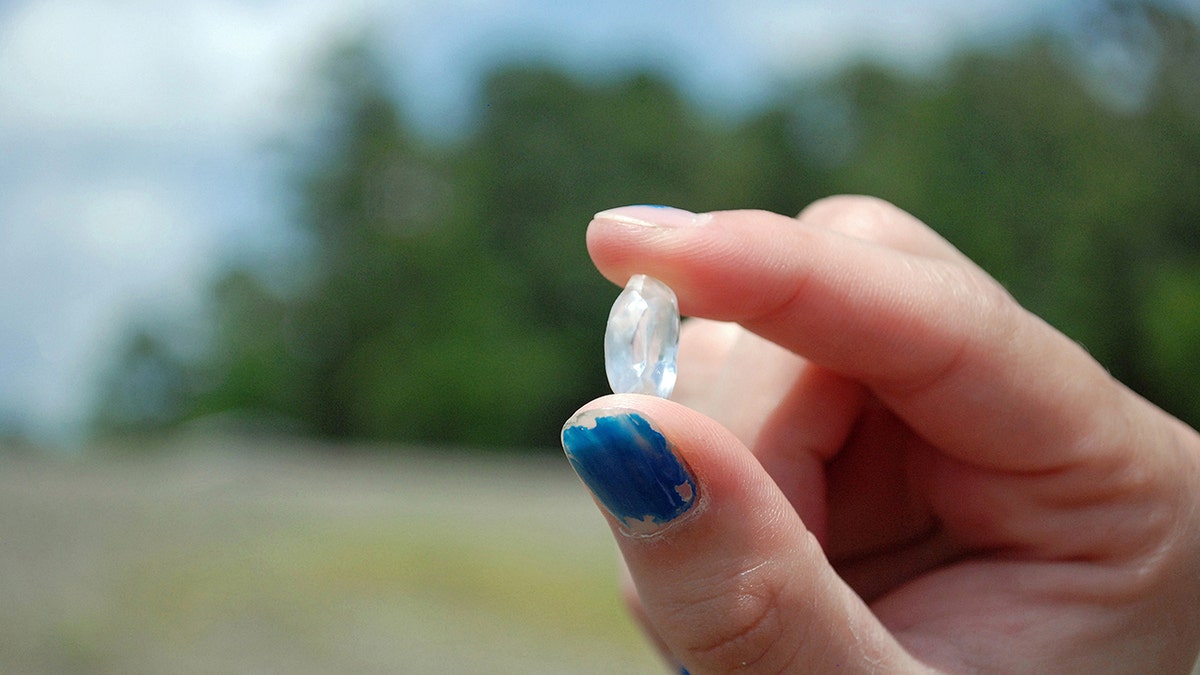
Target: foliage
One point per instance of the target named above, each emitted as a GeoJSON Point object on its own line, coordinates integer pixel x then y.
{"type": "Point", "coordinates": [449, 297]}
{"type": "Point", "coordinates": [1077, 206]}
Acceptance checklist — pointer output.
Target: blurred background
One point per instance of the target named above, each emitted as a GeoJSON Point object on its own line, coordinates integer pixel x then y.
{"type": "Point", "coordinates": [294, 296]}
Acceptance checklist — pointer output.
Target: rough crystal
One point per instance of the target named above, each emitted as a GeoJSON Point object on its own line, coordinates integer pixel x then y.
{"type": "Point", "coordinates": [642, 339]}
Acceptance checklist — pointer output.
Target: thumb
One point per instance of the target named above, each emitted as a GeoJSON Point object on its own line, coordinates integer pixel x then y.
{"type": "Point", "coordinates": [729, 577]}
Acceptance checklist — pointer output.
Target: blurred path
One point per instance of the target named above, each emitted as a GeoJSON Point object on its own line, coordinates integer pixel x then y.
{"type": "Point", "coordinates": [253, 557]}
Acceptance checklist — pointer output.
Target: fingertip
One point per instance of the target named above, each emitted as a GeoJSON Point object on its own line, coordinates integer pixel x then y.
{"type": "Point", "coordinates": [631, 467]}
{"type": "Point", "coordinates": [707, 265]}
{"type": "Point", "coordinates": [615, 237]}
{"type": "Point", "coordinates": [725, 570]}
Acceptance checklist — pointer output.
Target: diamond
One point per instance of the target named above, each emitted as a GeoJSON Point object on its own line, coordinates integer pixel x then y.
{"type": "Point", "coordinates": [642, 339]}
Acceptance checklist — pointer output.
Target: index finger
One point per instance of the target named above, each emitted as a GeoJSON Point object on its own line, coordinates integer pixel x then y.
{"type": "Point", "coordinates": [936, 339]}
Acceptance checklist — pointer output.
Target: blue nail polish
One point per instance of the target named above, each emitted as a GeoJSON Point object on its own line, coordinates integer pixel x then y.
{"type": "Point", "coordinates": [630, 468]}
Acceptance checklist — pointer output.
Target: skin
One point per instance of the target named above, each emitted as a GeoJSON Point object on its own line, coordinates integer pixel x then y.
{"type": "Point", "coordinates": [900, 469]}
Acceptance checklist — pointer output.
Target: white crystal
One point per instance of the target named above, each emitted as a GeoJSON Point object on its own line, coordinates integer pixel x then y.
{"type": "Point", "coordinates": [642, 338]}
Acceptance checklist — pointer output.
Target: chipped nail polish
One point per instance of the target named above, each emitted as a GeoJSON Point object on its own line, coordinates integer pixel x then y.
{"type": "Point", "coordinates": [630, 467]}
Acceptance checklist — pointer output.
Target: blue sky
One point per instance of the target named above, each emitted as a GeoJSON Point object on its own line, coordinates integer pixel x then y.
{"type": "Point", "coordinates": [132, 132]}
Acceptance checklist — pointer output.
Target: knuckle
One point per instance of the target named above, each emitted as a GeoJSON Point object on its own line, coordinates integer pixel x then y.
{"type": "Point", "coordinates": [857, 215]}
{"type": "Point", "coordinates": [874, 220]}
{"type": "Point", "coordinates": [740, 631]}
{"type": "Point", "coordinates": [841, 205]}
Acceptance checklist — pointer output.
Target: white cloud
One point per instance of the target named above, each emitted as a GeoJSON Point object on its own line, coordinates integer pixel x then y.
{"type": "Point", "coordinates": [128, 131]}
{"type": "Point", "coordinates": [799, 37]}
{"type": "Point", "coordinates": [149, 68]}
{"type": "Point", "coordinates": [74, 266]}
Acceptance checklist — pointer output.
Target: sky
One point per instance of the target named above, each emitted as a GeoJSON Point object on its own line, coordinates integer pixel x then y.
{"type": "Point", "coordinates": [135, 134]}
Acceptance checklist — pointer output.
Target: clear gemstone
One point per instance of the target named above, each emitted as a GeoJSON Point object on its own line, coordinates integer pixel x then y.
{"type": "Point", "coordinates": [642, 338]}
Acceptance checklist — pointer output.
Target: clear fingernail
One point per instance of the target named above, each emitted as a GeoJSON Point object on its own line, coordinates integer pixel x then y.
{"type": "Point", "coordinates": [654, 216]}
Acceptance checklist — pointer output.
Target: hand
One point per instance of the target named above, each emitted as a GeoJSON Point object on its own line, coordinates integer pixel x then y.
{"type": "Point", "coordinates": [880, 462]}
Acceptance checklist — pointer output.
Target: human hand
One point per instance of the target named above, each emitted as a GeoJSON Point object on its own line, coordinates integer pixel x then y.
{"type": "Point", "coordinates": [883, 463]}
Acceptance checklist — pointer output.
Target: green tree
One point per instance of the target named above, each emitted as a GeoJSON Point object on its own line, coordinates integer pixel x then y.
{"type": "Point", "coordinates": [550, 151]}
{"type": "Point", "coordinates": [1073, 203]}
{"type": "Point", "coordinates": [146, 387]}
{"type": "Point", "coordinates": [447, 295]}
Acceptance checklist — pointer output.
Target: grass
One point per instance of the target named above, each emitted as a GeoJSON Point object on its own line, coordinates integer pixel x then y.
{"type": "Point", "coordinates": [238, 557]}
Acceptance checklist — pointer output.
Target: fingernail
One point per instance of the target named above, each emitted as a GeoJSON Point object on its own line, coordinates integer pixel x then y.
{"type": "Point", "coordinates": [654, 216]}
{"type": "Point", "coordinates": [630, 467]}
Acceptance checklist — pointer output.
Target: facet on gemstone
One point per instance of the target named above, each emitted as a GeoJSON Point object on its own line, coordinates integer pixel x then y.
{"type": "Point", "coordinates": [641, 341]}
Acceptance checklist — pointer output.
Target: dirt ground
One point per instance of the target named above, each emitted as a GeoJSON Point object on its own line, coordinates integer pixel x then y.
{"type": "Point", "coordinates": [252, 556]}
{"type": "Point", "coordinates": [274, 557]}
